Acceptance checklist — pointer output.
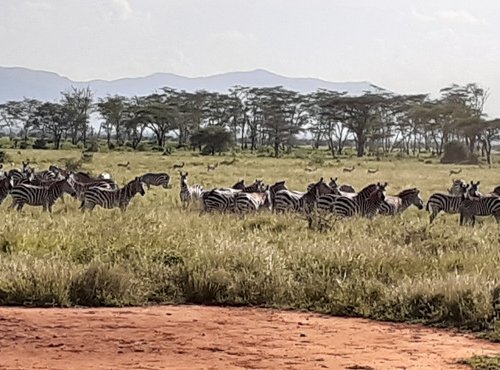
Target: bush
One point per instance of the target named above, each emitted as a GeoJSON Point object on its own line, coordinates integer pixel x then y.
{"type": "Point", "coordinates": [40, 144]}
{"type": "Point", "coordinates": [457, 152]}
{"type": "Point", "coordinates": [93, 146]}
{"type": "Point", "coordinates": [24, 145]}
{"type": "Point", "coordinates": [4, 157]}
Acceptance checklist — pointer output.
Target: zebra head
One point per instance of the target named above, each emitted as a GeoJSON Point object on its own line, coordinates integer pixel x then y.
{"type": "Point", "coordinates": [333, 183]}
{"type": "Point", "coordinates": [412, 196]}
{"type": "Point", "coordinates": [240, 185]}
{"type": "Point", "coordinates": [458, 187]}
{"type": "Point", "coordinates": [184, 178]}
{"type": "Point", "coordinates": [379, 192]}
{"type": "Point", "coordinates": [136, 186]}
{"type": "Point", "coordinates": [472, 191]}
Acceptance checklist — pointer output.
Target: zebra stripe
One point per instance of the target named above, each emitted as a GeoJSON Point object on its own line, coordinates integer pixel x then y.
{"type": "Point", "coordinates": [5, 187]}
{"type": "Point", "coordinates": [44, 196]}
{"type": "Point", "coordinates": [81, 188]}
{"type": "Point", "coordinates": [366, 203]}
{"type": "Point", "coordinates": [393, 205]}
{"type": "Point", "coordinates": [108, 199]}
{"type": "Point", "coordinates": [156, 179]}
{"type": "Point", "coordinates": [189, 193]}
{"type": "Point", "coordinates": [280, 185]}
{"type": "Point", "coordinates": [483, 206]}
{"type": "Point", "coordinates": [251, 202]}
{"type": "Point", "coordinates": [449, 203]}
{"type": "Point", "coordinates": [458, 187]}
{"type": "Point", "coordinates": [218, 200]}
{"type": "Point", "coordinates": [295, 201]}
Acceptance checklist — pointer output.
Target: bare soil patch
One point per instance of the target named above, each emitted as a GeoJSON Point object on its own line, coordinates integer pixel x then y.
{"type": "Point", "coordinates": [193, 337]}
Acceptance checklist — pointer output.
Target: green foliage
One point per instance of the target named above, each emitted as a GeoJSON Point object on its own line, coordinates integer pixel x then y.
{"type": "Point", "coordinates": [213, 139]}
{"type": "Point", "coordinates": [40, 144]}
{"type": "Point", "coordinates": [483, 362]}
{"type": "Point", "coordinates": [24, 145]}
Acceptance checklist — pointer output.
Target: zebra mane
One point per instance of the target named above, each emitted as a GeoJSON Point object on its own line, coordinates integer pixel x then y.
{"type": "Point", "coordinates": [367, 191]}
{"type": "Point", "coordinates": [239, 185]}
{"type": "Point", "coordinates": [408, 192]}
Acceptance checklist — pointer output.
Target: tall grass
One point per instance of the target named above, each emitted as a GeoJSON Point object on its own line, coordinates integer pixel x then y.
{"type": "Point", "coordinates": [397, 268]}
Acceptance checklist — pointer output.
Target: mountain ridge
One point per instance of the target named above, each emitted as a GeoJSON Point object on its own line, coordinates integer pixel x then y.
{"type": "Point", "coordinates": [19, 82]}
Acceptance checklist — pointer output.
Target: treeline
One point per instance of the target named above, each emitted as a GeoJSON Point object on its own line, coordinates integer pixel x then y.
{"type": "Point", "coordinates": [255, 117]}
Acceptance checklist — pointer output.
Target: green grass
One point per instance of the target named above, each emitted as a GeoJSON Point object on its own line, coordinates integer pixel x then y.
{"type": "Point", "coordinates": [398, 269]}
{"type": "Point", "coordinates": [483, 362]}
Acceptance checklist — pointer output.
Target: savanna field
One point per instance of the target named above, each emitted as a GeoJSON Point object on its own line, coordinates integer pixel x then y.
{"type": "Point", "coordinates": [389, 268]}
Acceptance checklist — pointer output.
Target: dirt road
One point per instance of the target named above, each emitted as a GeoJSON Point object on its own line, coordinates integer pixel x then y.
{"type": "Point", "coordinates": [191, 337]}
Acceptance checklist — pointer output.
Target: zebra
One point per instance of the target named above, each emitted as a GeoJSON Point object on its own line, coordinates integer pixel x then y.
{"type": "Point", "coordinates": [236, 188]}
{"type": "Point", "coordinates": [189, 193]}
{"type": "Point", "coordinates": [393, 205]}
{"type": "Point", "coordinates": [458, 187]}
{"type": "Point", "coordinates": [218, 200]}
{"type": "Point", "coordinates": [108, 199]}
{"type": "Point", "coordinates": [448, 203]}
{"type": "Point", "coordinates": [85, 178]}
{"type": "Point", "coordinates": [5, 187]}
{"type": "Point", "coordinates": [44, 196]}
{"type": "Point", "coordinates": [81, 188]}
{"type": "Point", "coordinates": [475, 205]}
{"type": "Point", "coordinates": [273, 189]}
{"type": "Point", "coordinates": [251, 202]}
{"type": "Point", "coordinates": [156, 179]}
{"type": "Point", "coordinates": [288, 200]}
{"type": "Point", "coordinates": [366, 203]}
{"type": "Point", "coordinates": [17, 176]}
{"type": "Point", "coordinates": [346, 188]}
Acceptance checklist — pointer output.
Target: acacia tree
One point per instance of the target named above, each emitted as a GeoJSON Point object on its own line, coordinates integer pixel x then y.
{"type": "Point", "coordinates": [78, 105]}
{"type": "Point", "coordinates": [113, 110]}
{"type": "Point", "coordinates": [52, 118]}
{"type": "Point", "coordinates": [20, 114]}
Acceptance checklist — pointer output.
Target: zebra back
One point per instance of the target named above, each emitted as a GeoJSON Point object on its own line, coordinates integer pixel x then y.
{"type": "Point", "coordinates": [156, 179]}
{"type": "Point", "coordinates": [217, 200]}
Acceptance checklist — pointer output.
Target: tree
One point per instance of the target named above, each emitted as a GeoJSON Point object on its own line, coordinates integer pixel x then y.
{"type": "Point", "coordinates": [212, 139]}
{"type": "Point", "coordinates": [113, 110]}
{"type": "Point", "coordinates": [78, 105]}
{"type": "Point", "coordinates": [20, 114]}
{"type": "Point", "coordinates": [160, 112]}
{"type": "Point", "coordinates": [53, 118]}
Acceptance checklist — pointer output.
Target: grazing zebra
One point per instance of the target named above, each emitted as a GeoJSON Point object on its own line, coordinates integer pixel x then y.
{"type": "Point", "coordinates": [496, 191]}
{"type": "Point", "coordinates": [81, 188]}
{"type": "Point", "coordinates": [474, 205]}
{"type": "Point", "coordinates": [218, 200]}
{"type": "Point", "coordinates": [44, 196]}
{"type": "Point", "coordinates": [236, 188]}
{"type": "Point", "coordinates": [156, 179]}
{"type": "Point", "coordinates": [257, 186]}
{"type": "Point", "coordinates": [189, 193]}
{"type": "Point", "coordinates": [366, 203]}
{"type": "Point", "coordinates": [108, 199]}
{"type": "Point", "coordinates": [458, 187]}
{"type": "Point", "coordinates": [251, 202]}
{"type": "Point", "coordinates": [5, 187]}
{"type": "Point", "coordinates": [346, 188]}
{"type": "Point", "coordinates": [448, 203]}
{"type": "Point", "coordinates": [393, 205]}
{"type": "Point", "coordinates": [293, 201]}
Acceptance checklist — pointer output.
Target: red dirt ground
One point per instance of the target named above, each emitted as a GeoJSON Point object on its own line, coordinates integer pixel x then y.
{"type": "Point", "coordinates": [193, 337]}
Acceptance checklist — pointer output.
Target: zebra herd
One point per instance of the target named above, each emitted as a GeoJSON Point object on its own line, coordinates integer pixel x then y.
{"type": "Point", "coordinates": [43, 188]}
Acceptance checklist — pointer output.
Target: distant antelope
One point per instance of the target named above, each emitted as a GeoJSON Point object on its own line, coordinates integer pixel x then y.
{"type": "Point", "coordinates": [212, 167]}
{"type": "Point", "coordinates": [126, 165]}
{"type": "Point", "coordinates": [347, 169]}
{"type": "Point", "coordinates": [178, 165]}
{"type": "Point", "coordinates": [228, 163]}
{"type": "Point", "coordinates": [455, 172]}
{"type": "Point", "coordinates": [372, 170]}
{"type": "Point", "coordinates": [310, 169]}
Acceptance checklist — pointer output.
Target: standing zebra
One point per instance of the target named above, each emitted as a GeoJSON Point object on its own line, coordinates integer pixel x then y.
{"type": "Point", "coordinates": [107, 198]}
{"type": "Point", "coordinates": [5, 187]}
{"type": "Point", "coordinates": [293, 201]}
{"type": "Point", "coordinates": [393, 205]}
{"type": "Point", "coordinates": [458, 187]}
{"type": "Point", "coordinates": [44, 196]}
{"type": "Point", "coordinates": [366, 203]}
{"type": "Point", "coordinates": [448, 203]}
{"type": "Point", "coordinates": [81, 188]}
{"type": "Point", "coordinates": [273, 189]}
{"type": "Point", "coordinates": [189, 193]}
{"type": "Point", "coordinates": [156, 179]}
{"type": "Point", "coordinates": [251, 202]}
{"type": "Point", "coordinates": [475, 205]}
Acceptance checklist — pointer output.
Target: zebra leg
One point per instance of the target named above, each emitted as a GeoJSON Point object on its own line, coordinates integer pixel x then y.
{"type": "Point", "coordinates": [432, 216]}
{"type": "Point", "coordinates": [13, 205]}
{"type": "Point", "coordinates": [20, 206]}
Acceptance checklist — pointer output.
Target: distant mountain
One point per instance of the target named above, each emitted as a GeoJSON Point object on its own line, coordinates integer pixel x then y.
{"type": "Point", "coordinates": [17, 82]}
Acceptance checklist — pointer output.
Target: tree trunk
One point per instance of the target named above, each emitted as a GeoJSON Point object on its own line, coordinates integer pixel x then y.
{"type": "Point", "coordinates": [360, 145]}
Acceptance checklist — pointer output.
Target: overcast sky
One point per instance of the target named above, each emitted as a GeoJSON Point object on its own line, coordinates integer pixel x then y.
{"type": "Point", "coordinates": [404, 45]}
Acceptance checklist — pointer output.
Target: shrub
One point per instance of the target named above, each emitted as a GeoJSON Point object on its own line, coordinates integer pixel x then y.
{"type": "Point", "coordinates": [457, 152]}
{"type": "Point", "coordinates": [24, 145]}
{"type": "Point", "coordinates": [4, 157]}
{"type": "Point", "coordinates": [93, 146]}
{"type": "Point", "coordinates": [40, 144]}
{"type": "Point", "coordinates": [87, 157]}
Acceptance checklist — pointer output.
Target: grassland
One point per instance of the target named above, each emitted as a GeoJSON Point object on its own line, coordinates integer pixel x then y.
{"type": "Point", "coordinates": [398, 269]}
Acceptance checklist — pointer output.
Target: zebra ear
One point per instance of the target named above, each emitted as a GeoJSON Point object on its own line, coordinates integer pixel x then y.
{"type": "Point", "coordinates": [321, 180]}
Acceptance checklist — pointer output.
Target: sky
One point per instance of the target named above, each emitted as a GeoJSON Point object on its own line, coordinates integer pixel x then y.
{"type": "Point", "coordinates": [405, 46]}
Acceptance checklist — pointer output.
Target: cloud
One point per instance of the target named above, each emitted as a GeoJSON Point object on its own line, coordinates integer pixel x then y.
{"type": "Point", "coordinates": [459, 16]}
{"type": "Point", "coordinates": [122, 9]}
{"type": "Point", "coordinates": [448, 16]}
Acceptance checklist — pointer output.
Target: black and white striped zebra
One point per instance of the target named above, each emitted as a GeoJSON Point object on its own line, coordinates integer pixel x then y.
{"type": "Point", "coordinates": [44, 196]}
{"type": "Point", "coordinates": [81, 188]}
{"type": "Point", "coordinates": [5, 187]}
{"type": "Point", "coordinates": [18, 176]}
{"type": "Point", "coordinates": [108, 199]}
{"type": "Point", "coordinates": [393, 205]}
{"type": "Point", "coordinates": [294, 201]}
{"type": "Point", "coordinates": [156, 179]}
{"type": "Point", "coordinates": [458, 187]}
{"type": "Point", "coordinates": [273, 189]}
{"type": "Point", "coordinates": [366, 203]}
{"type": "Point", "coordinates": [218, 200]}
{"type": "Point", "coordinates": [189, 193]}
{"type": "Point", "coordinates": [474, 205]}
{"type": "Point", "coordinates": [447, 203]}
{"type": "Point", "coordinates": [251, 202]}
